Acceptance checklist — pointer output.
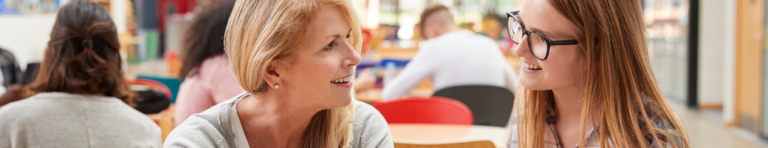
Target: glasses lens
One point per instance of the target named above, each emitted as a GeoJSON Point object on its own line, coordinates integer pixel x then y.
{"type": "Point", "coordinates": [515, 30]}
{"type": "Point", "coordinates": [538, 45]}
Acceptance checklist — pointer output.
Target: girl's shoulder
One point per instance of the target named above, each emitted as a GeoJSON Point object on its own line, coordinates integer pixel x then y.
{"type": "Point", "coordinates": [658, 123]}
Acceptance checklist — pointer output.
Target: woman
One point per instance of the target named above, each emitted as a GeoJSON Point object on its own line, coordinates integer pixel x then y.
{"type": "Point", "coordinates": [207, 78]}
{"type": "Point", "coordinates": [295, 59]}
{"type": "Point", "coordinates": [586, 78]}
{"type": "Point", "coordinates": [80, 97]}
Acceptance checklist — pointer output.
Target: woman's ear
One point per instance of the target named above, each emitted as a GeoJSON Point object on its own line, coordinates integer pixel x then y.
{"type": "Point", "coordinates": [272, 73]}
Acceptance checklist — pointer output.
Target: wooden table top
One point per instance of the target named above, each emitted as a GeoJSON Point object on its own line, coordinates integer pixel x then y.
{"type": "Point", "coordinates": [374, 95]}
{"type": "Point", "coordinates": [442, 134]}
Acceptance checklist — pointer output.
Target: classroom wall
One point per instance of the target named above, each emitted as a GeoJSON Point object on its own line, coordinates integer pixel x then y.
{"type": "Point", "coordinates": [717, 54]}
{"type": "Point", "coordinates": [711, 45]}
{"type": "Point", "coordinates": [729, 55]}
{"type": "Point", "coordinates": [27, 35]}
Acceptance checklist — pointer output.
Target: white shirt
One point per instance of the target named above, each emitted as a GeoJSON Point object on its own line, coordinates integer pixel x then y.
{"type": "Point", "coordinates": [454, 59]}
{"type": "Point", "coordinates": [237, 127]}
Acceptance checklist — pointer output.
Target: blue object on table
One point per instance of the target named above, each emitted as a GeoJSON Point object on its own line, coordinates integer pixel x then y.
{"type": "Point", "coordinates": [172, 84]}
{"type": "Point", "coordinates": [390, 70]}
{"type": "Point", "coordinates": [365, 63]}
{"type": "Point", "coordinates": [398, 63]}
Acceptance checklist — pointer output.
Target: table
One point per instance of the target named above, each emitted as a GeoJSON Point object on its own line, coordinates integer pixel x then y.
{"type": "Point", "coordinates": [374, 95]}
{"type": "Point", "coordinates": [442, 134]}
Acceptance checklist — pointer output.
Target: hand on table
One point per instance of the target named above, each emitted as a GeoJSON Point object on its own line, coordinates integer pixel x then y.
{"type": "Point", "coordinates": [364, 81]}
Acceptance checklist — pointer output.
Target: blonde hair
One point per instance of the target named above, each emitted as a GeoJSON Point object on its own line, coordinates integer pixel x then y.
{"type": "Point", "coordinates": [621, 91]}
{"type": "Point", "coordinates": [260, 31]}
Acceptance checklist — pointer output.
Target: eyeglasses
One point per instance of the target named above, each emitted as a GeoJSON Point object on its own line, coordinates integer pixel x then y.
{"type": "Point", "coordinates": [537, 43]}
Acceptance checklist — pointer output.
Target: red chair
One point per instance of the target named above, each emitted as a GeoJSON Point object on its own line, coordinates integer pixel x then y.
{"type": "Point", "coordinates": [151, 83]}
{"type": "Point", "coordinates": [435, 110]}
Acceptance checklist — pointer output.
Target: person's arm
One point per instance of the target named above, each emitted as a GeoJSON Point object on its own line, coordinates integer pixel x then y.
{"type": "Point", "coordinates": [12, 93]}
{"type": "Point", "coordinates": [365, 80]}
{"type": "Point", "coordinates": [421, 66]}
{"type": "Point", "coordinates": [192, 97]}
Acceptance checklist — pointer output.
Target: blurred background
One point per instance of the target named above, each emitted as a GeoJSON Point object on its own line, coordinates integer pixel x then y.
{"type": "Point", "coordinates": [709, 56]}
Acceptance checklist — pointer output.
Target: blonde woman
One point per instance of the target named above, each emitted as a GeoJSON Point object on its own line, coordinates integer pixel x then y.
{"type": "Point", "coordinates": [295, 59]}
{"type": "Point", "coordinates": [586, 77]}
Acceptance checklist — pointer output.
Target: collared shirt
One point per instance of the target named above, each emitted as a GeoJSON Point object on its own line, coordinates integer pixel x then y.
{"type": "Point", "coordinates": [592, 140]}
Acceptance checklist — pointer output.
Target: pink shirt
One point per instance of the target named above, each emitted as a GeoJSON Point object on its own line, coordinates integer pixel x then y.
{"type": "Point", "coordinates": [214, 83]}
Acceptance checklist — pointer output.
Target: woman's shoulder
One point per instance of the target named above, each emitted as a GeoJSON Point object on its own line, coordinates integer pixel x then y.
{"type": "Point", "coordinates": [370, 127]}
{"type": "Point", "coordinates": [656, 116]}
{"type": "Point", "coordinates": [366, 115]}
{"type": "Point", "coordinates": [660, 121]}
{"type": "Point", "coordinates": [204, 129]}
{"type": "Point", "coordinates": [26, 111]}
{"type": "Point", "coordinates": [365, 108]}
{"type": "Point", "coordinates": [217, 112]}
{"type": "Point", "coordinates": [65, 104]}
{"type": "Point", "coordinates": [195, 132]}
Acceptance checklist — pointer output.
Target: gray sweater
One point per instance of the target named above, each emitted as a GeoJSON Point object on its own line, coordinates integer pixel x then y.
{"type": "Point", "coordinates": [211, 128]}
{"type": "Point", "coordinates": [63, 120]}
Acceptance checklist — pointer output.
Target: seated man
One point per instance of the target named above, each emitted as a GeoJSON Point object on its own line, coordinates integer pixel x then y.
{"type": "Point", "coordinates": [450, 57]}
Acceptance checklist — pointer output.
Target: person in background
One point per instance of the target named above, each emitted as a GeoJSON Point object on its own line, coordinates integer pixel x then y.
{"type": "Point", "coordinates": [296, 60]}
{"type": "Point", "coordinates": [587, 80]}
{"type": "Point", "coordinates": [450, 57]}
{"type": "Point", "coordinates": [10, 78]}
{"type": "Point", "coordinates": [79, 97]}
{"type": "Point", "coordinates": [10, 94]}
{"type": "Point", "coordinates": [207, 79]}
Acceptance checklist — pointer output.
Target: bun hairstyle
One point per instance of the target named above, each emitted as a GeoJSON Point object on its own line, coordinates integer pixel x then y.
{"type": "Point", "coordinates": [82, 56]}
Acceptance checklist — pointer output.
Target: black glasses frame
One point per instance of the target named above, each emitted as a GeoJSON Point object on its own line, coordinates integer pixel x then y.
{"type": "Point", "coordinates": [526, 33]}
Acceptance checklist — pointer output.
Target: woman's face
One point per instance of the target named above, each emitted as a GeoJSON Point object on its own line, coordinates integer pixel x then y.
{"type": "Point", "coordinates": [320, 71]}
{"type": "Point", "coordinates": [565, 65]}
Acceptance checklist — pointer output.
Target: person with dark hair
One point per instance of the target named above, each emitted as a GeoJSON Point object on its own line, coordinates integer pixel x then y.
{"type": "Point", "coordinates": [10, 78]}
{"type": "Point", "coordinates": [79, 97]}
{"type": "Point", "coordinates": [207, 79]}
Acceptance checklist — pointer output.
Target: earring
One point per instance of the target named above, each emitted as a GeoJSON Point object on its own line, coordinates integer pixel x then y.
{"type": "Point", "coordinates": [277, 86]}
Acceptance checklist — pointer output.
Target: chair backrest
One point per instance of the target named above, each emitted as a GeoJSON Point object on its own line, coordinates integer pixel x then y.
{"type": "Point", "coordinates": [152, 83]}
{"type": "Point", "coordinates": [172, 83]}
{"type": "Point", "coordinates": [435, 110]}
{"type": "Point", "coordinates": [472, 144]}
{"type": "Point", "coordinates": [490, 105]}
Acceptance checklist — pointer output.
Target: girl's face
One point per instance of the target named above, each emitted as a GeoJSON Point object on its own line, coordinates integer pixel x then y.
{"type": "Point", "coordinates": [321, 70]}
{"type": "Point", "coordinates": [565, 65]}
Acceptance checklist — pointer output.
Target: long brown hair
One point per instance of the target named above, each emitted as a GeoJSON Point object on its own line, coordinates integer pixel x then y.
{"type": "Point", "coordinates": [204, 39]}
{"type": "Point", "coordinates": [262, 31]}
{"type": "Point", "coordinates": [82, 56]}
{"type": "Point", "coordinates": [621, 91]}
